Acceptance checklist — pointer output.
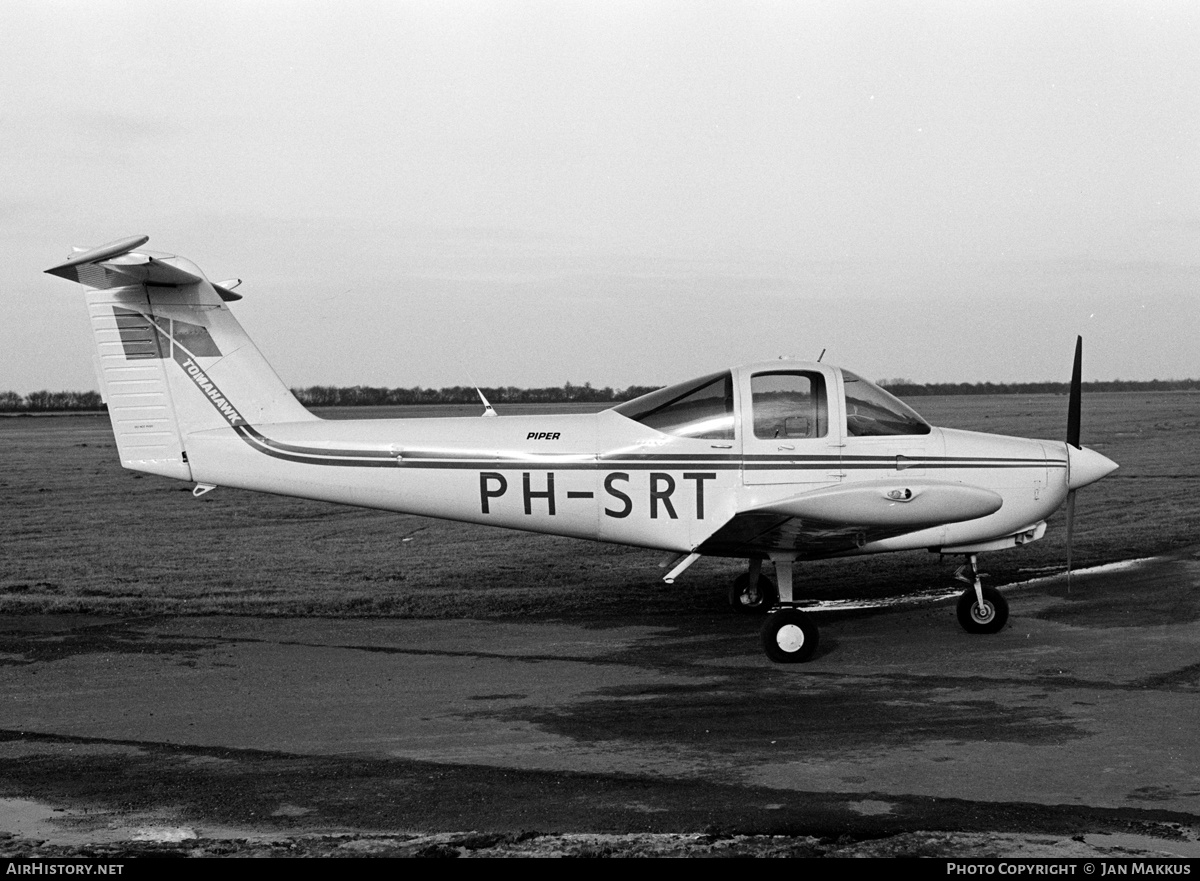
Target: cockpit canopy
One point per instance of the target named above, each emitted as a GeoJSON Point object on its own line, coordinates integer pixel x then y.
{"type": "Point", "coordinates": [785, 401]}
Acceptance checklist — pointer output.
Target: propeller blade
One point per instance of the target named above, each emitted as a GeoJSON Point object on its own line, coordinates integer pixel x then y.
{"type": "Point", "coordinates": [1074, 405]}
{"type": "Point", "coordinates": [1076, 392]}
{"type": "Point", "coordinates": [1070, 533]}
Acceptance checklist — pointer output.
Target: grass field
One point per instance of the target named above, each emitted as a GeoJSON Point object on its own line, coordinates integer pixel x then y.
{"type": "Point", "coordinates": [81, 534]}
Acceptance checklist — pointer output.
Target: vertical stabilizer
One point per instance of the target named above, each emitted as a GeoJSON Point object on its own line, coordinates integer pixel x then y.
{"type": "Point", "coordinates": [171, 358]}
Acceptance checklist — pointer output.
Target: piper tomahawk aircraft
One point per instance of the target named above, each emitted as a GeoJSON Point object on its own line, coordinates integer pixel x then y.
{"type": "Point", "coordinates": [778, 461]}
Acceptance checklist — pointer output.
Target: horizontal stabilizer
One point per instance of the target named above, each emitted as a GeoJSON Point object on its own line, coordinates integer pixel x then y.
{"type": "Point", "coordinates": [151, 270]}
{"type": "Point", "coordinates": [119, 263]}
{"type": "Point", "coordinates": [96, 255]}
{"type": "Point", "coordinates": [225, 289]}
{"type": "Point", "coordinates": [915, 503]}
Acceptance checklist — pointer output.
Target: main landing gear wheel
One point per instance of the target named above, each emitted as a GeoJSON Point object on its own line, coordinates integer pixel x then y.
{"type": "Point", "coordinates": [789, 636]}
{"type": "Point", "coordinates": [990, 617]}
{"type": "Point", "coordinates": [751, 598]}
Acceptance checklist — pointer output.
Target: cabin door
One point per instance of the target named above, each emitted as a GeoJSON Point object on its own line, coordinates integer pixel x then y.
{"type": "Point", "coordinates": [788, 435]}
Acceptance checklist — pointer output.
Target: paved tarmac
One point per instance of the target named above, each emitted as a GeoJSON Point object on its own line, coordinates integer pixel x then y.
{"type": "Point", "coordinates": [1080, 718]}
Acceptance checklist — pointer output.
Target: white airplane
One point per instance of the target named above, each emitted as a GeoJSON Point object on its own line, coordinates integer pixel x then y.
{"type": "Point", "coordinates": [778, 461]}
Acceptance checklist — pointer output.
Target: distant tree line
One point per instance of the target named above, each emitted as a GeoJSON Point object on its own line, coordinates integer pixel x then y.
{"type": "Point", "coordinates": [906, 388]}
{"type": "Point", "coordinates": [44, 401]}
{"type": "Point", "coordinates": [370, 396]}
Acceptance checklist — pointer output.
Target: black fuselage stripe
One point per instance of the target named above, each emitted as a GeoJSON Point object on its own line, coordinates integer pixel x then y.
{"type": "Point", "coordinates": [387, 458]}
{"type": "Point", "coordinates": [382, 459]}
{"type": "Point", "coordinates": [316, 451]}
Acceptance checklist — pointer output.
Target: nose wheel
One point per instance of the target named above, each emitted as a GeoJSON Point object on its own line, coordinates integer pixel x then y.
{"type": "Point", "coordinates": [752, 592]}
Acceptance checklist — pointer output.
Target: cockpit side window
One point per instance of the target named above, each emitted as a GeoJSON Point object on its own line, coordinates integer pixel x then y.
{"type": "Point", "coordinates": [700, 408]}
{"type": "Point", "coordinates": [872, 412]}
{"type": "Point", "coordinates": [789, 405]}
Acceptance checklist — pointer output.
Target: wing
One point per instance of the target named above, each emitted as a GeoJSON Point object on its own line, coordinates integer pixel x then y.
{"type": "Point", "coordinates": [838, 519]}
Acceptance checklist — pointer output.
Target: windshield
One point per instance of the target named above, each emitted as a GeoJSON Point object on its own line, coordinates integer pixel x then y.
{"type": "Point", "coordinates": [871, 412]}
{"type": "Point", "coordinates": [699, 408]}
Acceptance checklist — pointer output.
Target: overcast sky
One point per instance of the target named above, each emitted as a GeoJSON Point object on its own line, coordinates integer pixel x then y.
{"type": "Point", "coordinates": [534, 193]}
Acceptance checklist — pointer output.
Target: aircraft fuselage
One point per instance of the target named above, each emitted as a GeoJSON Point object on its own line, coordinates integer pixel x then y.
{"type": "Point", "coordinates": [602, 476]}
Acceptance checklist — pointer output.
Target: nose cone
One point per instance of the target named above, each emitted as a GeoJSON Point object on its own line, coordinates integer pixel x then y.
{"type": "Point", "coordinates": [1086, 466]}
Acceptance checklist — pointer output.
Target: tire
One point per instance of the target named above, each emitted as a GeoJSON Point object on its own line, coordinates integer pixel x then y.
{"type": "Point", "coordinates": [748, 600]}
{"type": "Point", "coordinates": [789, 637]}
{"type": "Point", "coordinates": [991, 618]}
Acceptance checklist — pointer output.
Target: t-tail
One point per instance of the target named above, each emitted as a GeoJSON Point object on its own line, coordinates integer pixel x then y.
{"type": "Point", "coordinates": [170, 357]}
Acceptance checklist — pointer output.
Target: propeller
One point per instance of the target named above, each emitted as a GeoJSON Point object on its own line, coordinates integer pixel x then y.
{"type": "Point", "coordinates": [1083, 466]}
{"type": "Point", "coordinates": [1076, 394]}
{"type": "Point", "coordinates": [1073, 407]}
